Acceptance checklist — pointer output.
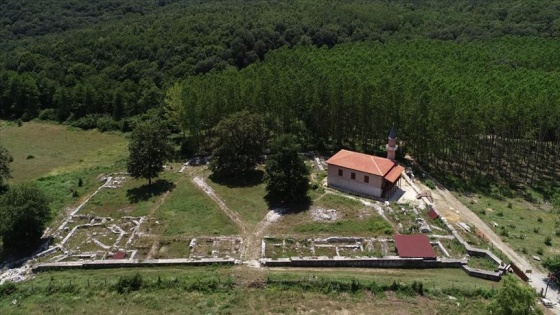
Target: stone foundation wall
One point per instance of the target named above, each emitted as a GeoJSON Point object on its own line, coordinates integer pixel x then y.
{"type": "Point", "coordinates": [391, 262]}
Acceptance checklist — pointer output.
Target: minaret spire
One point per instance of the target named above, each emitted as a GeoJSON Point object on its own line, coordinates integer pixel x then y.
{"type": "Point", "coordinates": [392, 144]}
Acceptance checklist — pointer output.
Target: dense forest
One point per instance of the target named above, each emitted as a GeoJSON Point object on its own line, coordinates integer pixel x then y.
{"type": "Point", "coordinates": [471, 85]}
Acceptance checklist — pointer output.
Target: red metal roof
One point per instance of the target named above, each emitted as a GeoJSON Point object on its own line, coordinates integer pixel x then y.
{"type": "Point", "coordinates": [367, 163]}
{"type": "Point", "coordinates": [119, 255]}
{"type": "Point", "coordinates": [394, 174]}
{"type": "Point", "coordinates": [433, 214]}
{"type": "Point", "coordinates": [414, 246]}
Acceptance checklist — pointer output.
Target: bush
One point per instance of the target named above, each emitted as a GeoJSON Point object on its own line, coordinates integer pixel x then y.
{"type": "Point", "coordinates": [129, 283]}
{"type": "Point", "coordinates": [48, 114]}
{"type": "Point", "coordinates": [107, 123]}
{"type": "Point", "coordinates": [86, 122]}
{"type": "Point", "coordinates": [7, 288]}
{"type": "Point", "coordinates": [548, 241]}
{"type": "Point", "coordinates": [540, 251]}
{"type": "Point", "coordinates": [539, 219]}
{"type": "Point", "coordinates": [430, 183]}
{"type": "Point", "coordinates": [536, 230]}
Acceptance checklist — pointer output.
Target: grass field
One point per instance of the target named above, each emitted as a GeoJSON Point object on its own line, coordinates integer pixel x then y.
{"type": "Point", "coordinates": [354, 219]}
{"type": "Point", "coordinates": [41, 149]}
{"type": "Point", "coordinates": [246, 200]}
{"type": "Point", "coordinates": [526, 226]}
{"type": "Point", "coordinates": [207, 290]}
{"type": "Point", "coordinates": [188, 211]}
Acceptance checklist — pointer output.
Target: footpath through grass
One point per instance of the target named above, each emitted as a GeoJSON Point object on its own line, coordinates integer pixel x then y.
{"type": "Point", "coordinates": [41, 149]}
{"type": "Point", "coordinates": [205, 290]}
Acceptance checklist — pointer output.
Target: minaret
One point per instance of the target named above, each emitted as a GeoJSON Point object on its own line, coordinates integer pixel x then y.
{"type": "Point", "coordinates": [392, 144]}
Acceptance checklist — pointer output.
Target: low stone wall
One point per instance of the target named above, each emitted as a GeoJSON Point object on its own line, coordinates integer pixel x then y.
{"type": "Point", "coordinates": [484, 274]}
{"type": "Point", "coordinates": [366, 262]}
{"type": "Point", "coordinates": [130, 263]}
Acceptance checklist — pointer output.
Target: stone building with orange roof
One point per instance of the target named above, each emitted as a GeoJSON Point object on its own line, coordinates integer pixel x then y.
{"type": "Point", "coordinates": [366, 175]}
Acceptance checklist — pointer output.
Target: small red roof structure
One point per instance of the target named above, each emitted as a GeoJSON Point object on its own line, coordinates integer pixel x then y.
{"type": "Point", "coordinates": [366, 163]}
{"type": "Point", "coordinates": [119, 255]}
{"type": "Point", "coordinates": [433, 214]}
{"type": "Point", "coordinates": [414, 246]}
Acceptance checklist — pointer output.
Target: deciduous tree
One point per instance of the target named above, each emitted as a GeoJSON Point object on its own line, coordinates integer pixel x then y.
{"type": "Point", "coordinates": [149, 149]}
{"type": "Point", "coordinates": [24, 210]}
{"type": "Point", "coordinates": [5, 172]}
{"type": "Point", "coordinates": [514, 299]}
{"type": "Point", "coordinates": [238, 141]}
{"type": "Point", "coordinates": [287, 176]}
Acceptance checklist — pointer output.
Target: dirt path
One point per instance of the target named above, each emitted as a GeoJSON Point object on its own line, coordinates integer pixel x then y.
{"type": "Point", "coordinates": [233, 215]}
{"type": "Point", "coordinates": [454, 210]}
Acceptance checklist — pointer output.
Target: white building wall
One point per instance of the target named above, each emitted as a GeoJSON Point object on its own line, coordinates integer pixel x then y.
{"type": "Point", "coordinates": [355, 186]}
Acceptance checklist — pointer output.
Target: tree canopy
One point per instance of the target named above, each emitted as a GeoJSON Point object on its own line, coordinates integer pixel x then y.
{"type": "Point", "coordinates": [238, 141]}
{"type": "Point", "coordinates": [514, 298]}
{"type": "Point", "coordinates": [24, 210]}
{"type": "Point", "coordinates": [149, 149]}
{"type": "Point", "coordinates": [287, 176]}
{"type": "Point", "coordinates": [5, 159]}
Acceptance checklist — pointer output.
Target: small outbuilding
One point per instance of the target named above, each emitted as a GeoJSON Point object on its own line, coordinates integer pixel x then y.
{"type": "Point", "coordinates": [414, 246]}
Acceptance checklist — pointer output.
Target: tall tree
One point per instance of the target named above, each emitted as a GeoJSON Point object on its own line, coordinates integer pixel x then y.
{"type": "Point", "coordinates": [149, 149]}
{"type": "Point", "coordinates": [238, 141]}
{"type": "Point", "coordinates": [514, 299]}
{"type": "Point", "coordinates": [24, 210]}
{"type": "Point", "coordinates": [287, 176]}
{"type": "Point", "coordinates": [5, 172]}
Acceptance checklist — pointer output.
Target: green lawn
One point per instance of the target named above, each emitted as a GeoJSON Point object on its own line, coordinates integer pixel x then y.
{"type": "Point", "coordinates": [248, 201]}
{"type": "Point", "coordinates": [42, 149]}
{"type": "Point", "coordinates": [188, 211]}
{"type": "Point", "coordinates": [354, 219]}
{"type": "Point", "coordinates": [237, 290]}
{"type": "Point", "coordinates": [134, 198]}
{"type": "Point", "coordinates": [522, 224]}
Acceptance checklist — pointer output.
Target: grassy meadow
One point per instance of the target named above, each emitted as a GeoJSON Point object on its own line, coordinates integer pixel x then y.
{"type": "Point", "coordinates": [526, 226]}
{"type": "Point", "coordinates": [235, 290]}
{"type": "Point", "coordinates": [43, 149]}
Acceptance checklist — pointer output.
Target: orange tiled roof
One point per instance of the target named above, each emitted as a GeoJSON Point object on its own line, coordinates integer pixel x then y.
{"type": "Point", "coordinates": [367, 163]}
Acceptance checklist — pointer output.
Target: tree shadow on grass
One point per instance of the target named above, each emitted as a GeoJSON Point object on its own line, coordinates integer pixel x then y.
{"type": "Point", "coordinates": [253, 178]}
{"type": "Point", "coordinates": [146, 191]}
{"type": "Point", "coordinates": [287, 207]}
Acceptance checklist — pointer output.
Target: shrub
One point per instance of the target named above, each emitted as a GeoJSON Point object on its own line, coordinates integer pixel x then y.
{"type": "Point", "coordinates": [548, 241]}
{"type": "Point", "coordinates": [129, 283]}
{"type": "Point", "coordinates": [30, 156]}
{"type": "Point", "coordinates": [107, 123]}
{"type": "Point", "coordinates": [539, 219]}
{"type": "Point", "coordinates": [7, 288]}
{"type": "Point", "coordinates": [536, 230]}
{"type": "Point", "coordinates": [48, 114]}
{"type": "Point", "coordinates": [509, 205]}
{"type": "Point", "coordinates": [540, 251]}
{"type": "Point", "coordinates": [86, 122]}
{"type": "Point", "coordinates": [430, 183]}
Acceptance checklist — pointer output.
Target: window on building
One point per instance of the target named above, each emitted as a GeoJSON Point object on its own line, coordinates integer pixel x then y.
{"type": "Point", "coordinates": [366, 179]}
{"type": "Point", "coordinates": [353, 175]}
{"type": "Point", "coordinates": [339, 172]}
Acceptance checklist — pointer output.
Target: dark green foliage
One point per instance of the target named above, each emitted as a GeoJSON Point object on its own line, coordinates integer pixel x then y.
{"type": "Point", "coordinates": [5, 159]}
{"type": "Point", "coordinates": [7, 288]}
{"type": "Point", "coordinates": [548, 241]}
{"type": "Point", "coordinates": [149, 149]}
{"type": "Point", "coordinates": [552, 263]}
{"type": "Point", "coordinates": [24, 210]}
{"type": "Point", "coordinates": [287, 176]}
{"type": "Point", "coordinates": [130, 283]}
{"type": "Point", "coordinates": [115, 57]}
{"type": "Point", "coordinates": [514, 298]}
{"type": "Point", "coordinates": [238, 142]}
